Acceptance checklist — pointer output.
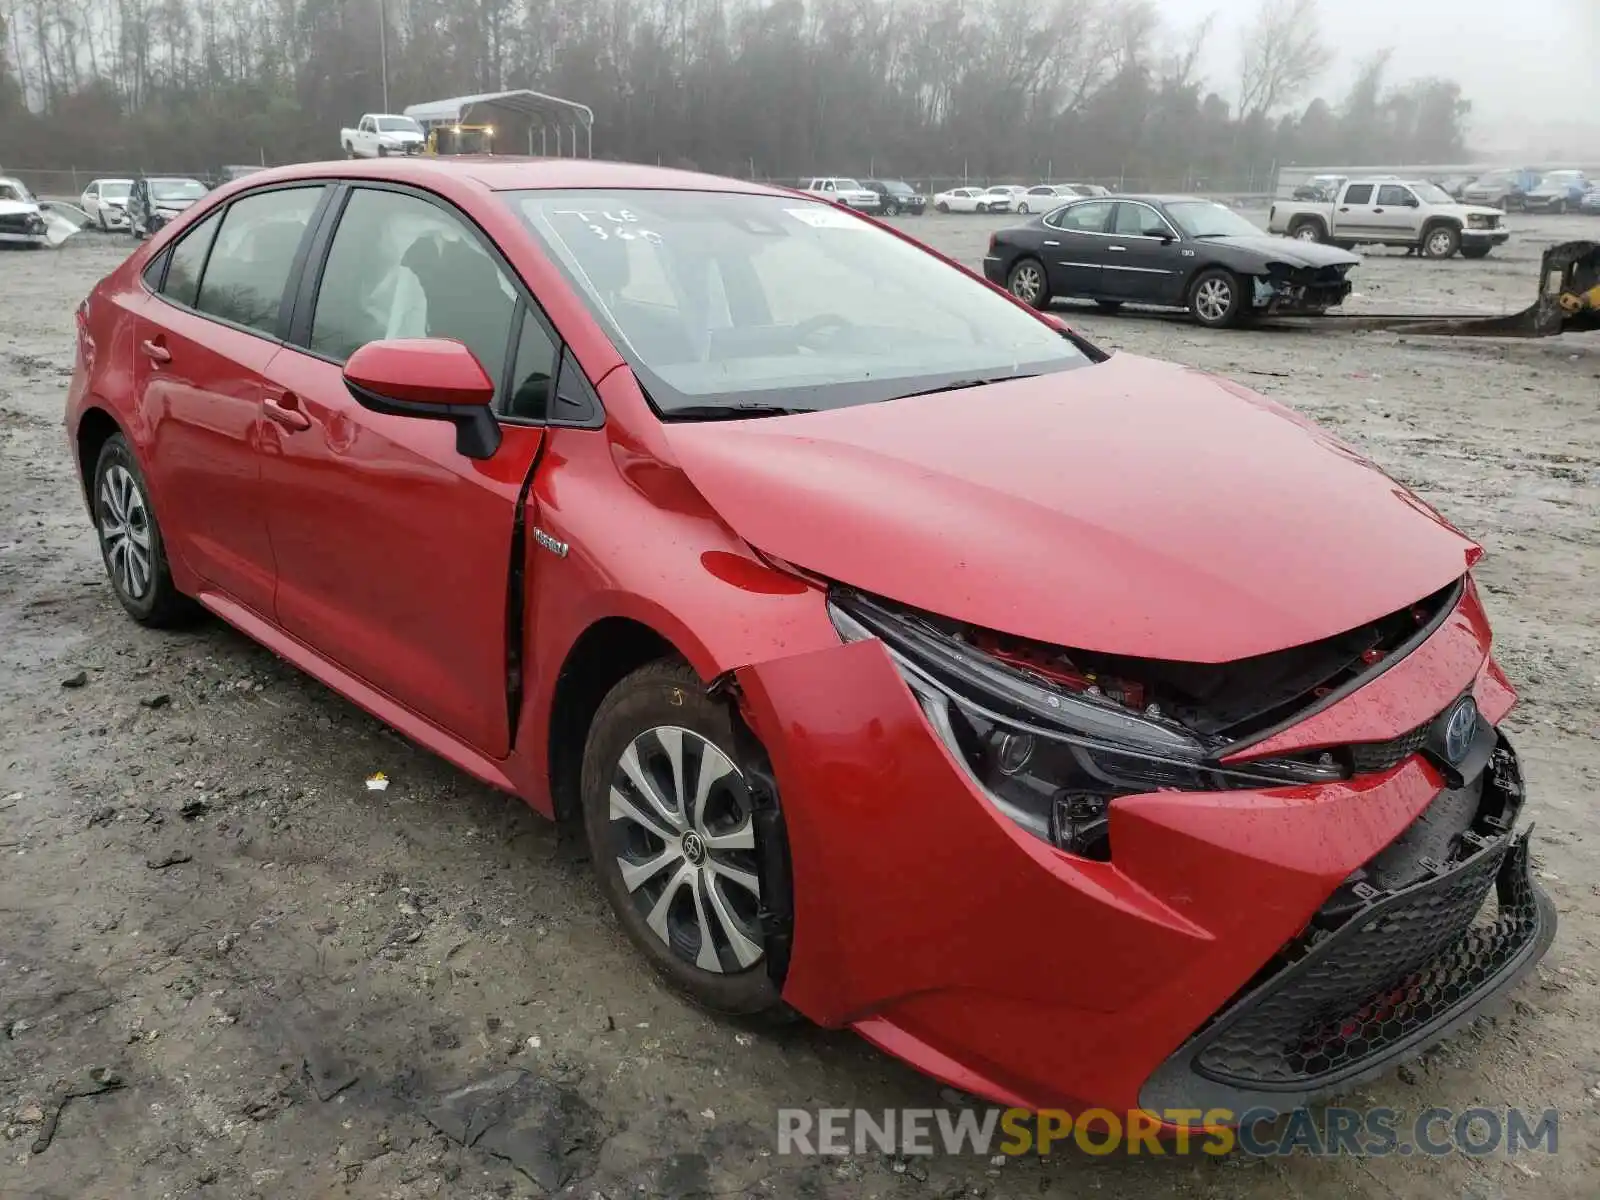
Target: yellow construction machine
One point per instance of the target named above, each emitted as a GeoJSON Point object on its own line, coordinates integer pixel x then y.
{"type": "Point", "coordinates": [460, 139]}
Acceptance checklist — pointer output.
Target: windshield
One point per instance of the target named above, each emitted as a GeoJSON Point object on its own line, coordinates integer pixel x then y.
{"type": "Point", "coordinates": [848, 185]}
{"type": "Point", "coordinates": [725, 300]}
{"type": "Point", "coordinates": [1493, 179]}
{"type": "Point", "coordinates": [1208, 219]}
{"type": "Point", "coordinates": [398, 125]}
{"type": "Point", "coordinates": [115, 189]}
{"type": "Point", "coordinates": [897, 188]}
{"type": "Point", "coordinates": [1431, 193]}
{"type": "Point", "coordinates": [11, 189]}
{"type": "Point", "coordinates": [177, 189]}
{"type": "Point", "coordinates": [1562, 178]}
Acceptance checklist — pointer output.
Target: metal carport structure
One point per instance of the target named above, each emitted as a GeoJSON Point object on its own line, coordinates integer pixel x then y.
{"type": "Point", "coordinates": [516, 116]}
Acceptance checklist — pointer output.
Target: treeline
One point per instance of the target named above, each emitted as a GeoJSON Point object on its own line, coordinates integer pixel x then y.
{"type": "Point", "coordinates": [997, 88]}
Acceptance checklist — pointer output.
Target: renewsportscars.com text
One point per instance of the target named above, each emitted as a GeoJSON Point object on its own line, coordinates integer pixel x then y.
{"type": "Point", "coordinates": [1328, 1132]}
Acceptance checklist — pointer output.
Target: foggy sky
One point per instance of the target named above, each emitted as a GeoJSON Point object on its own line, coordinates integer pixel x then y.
{"type": "Point", "coordinates": [1528, 66]}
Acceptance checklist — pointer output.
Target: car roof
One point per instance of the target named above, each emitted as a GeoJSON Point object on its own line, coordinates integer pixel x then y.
{"type": "Point", "coordinates": [506, 173]}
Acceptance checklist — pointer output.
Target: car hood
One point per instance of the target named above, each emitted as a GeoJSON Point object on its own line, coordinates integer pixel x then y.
{"type": "Point", "coordinates": [173, 206]}
{"type": "Point", "coordinates": [1131, 507]}
{"type": "Point", "coordinates": [11, 208]}
{"type": "Point", "coordinates": [1292, 251]}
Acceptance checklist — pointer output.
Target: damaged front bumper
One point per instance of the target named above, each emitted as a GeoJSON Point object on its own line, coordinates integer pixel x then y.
{"type": "Point", "coordinates": [936, 927]}
{"type": "Point", "coordinates": [1302, 291]}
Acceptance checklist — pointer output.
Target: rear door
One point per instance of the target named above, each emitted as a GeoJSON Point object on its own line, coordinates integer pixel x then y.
{"type": "Point", "coordinates": [198, 380]}
{"type": "Point", "coordinates": [1143, 259]}
{"type": "Point", "coordinates": [1075, 247]}
{"type": "Point", "coordinates": [1353, 213]}
{"type": "Point", "coordinates": [393, 550]}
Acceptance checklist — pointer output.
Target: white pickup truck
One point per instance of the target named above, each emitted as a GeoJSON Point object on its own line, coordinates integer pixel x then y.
{"type": "Point", "coordinates": [1393, 212]}
{"type": "Point", "coordinates": [378, 135]}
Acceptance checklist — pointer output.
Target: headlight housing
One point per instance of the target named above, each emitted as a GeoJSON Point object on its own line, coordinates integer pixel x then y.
{"type": "Point", "coordinates": [1051, 758]}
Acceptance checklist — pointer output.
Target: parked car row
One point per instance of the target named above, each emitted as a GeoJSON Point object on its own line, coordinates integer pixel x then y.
{"type": "Point", "coordinates": [144, 204]}
{"type": "Point", "coordinates": [891, 197]}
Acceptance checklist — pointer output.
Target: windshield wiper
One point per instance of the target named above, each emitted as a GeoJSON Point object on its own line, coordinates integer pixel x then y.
{"type": "Point", "coordinates": [960, 384]}
{"type": "Point", "coordinates": [730, 412]}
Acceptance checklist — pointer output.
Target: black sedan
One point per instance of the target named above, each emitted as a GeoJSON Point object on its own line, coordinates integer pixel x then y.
{"type": "Point", "coordinates": [1170, 251]}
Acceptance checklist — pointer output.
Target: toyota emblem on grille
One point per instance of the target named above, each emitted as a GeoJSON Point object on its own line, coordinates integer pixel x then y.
{"type": "Point", "coordinates": [1459, 731]}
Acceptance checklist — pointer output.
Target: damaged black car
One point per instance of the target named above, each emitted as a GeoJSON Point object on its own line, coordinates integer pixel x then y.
{"type": "Point", "coordinates": [1169, 252]}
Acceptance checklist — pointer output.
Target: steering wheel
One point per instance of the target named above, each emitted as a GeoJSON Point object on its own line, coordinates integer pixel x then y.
{"type": "Point", "coordinates": [811, 327]}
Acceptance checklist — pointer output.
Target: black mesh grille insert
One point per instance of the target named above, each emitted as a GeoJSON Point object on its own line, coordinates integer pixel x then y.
{"type": "Point", "coordinates": [1407, 963]}
{"type": "Point", "coordinates": [1367, 758]}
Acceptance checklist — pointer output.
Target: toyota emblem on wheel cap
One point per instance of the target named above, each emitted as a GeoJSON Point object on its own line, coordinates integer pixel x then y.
{"type": "Point", "coordinates": [1459, 731]}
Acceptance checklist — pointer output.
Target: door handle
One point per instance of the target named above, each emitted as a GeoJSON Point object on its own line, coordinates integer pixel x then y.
{"type": "Point", "coordinates": [1377, 210]}
{"type": "Point", "coordinates": [284, 408]}
{"type": "Point", "coordinates": [1050, 243]}
{"type": "Point", "coordinates": [155, 351]}
{"type": "Point", "coordinates": [1122, 248]}
{"type": "Point", "coordinates": [1346, 208]}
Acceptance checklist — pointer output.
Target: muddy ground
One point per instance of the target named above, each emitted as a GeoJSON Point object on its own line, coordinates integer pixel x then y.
{"type": "Point", "coordinates": [285, 970]}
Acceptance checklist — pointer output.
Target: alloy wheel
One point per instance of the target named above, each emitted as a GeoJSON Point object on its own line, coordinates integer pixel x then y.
{"type": "Point", "coordinates": [1306, 233]}
{"type": "Point", "coordinates": [1027, 284]}
{"type": "Point", "coordinates": [125, 531]}
{"type": "Point", "coordinates": [1439, 243]}
{"type": "Point", "coordinates": [684, 841]}
{"type": "Point", "coordinates": [1213, 299]}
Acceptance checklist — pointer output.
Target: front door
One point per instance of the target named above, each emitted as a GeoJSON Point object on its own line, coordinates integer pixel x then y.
{"type": "Point", "coordinates": [1143, 260]}
{"type": "Point", "coordinates": [1075, 248]}
{"type": "Point", "coordinates": [198, 375]}
{"type": "Point", "coordinates": [1398, 212]}
{"type": "Point", "coordinates": [393, 550]}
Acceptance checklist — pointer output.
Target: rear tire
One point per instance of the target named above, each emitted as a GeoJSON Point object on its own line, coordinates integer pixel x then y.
{"type": "Point", "coordinates": [131, 545]}
{"type": "Point", "coordinates": [1441, 241]}
{"type": "Point", "coordinates": [685, 885]}
{"type": "Point", "coordinates": [1308, 230]}
{"type": "Point", "coordinates": [1029, 282]}
{"type": "Point", "coordinates": [349, 150]}
{"type": "Point", "coordinates": [1216, 300]}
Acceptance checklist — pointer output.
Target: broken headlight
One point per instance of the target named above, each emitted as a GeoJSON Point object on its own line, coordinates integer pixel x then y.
{"type": "Point", "coordinates": [1049, 757]}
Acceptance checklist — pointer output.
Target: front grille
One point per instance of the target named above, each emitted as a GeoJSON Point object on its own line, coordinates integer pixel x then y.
{"type": "Point", "coordinates": [21, 223]}
{"type": "Point", "coordinates": [1367, 758]}
{"type": "Point", "coordinates": [1409, 963]}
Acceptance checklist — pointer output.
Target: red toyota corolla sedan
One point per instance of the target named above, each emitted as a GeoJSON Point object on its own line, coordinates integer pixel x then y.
{"type": "Point", "coordinates": [1079, 728]}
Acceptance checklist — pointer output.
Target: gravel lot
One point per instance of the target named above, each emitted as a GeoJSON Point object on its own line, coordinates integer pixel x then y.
{"type": "Point", "coordinates": [286, 970]}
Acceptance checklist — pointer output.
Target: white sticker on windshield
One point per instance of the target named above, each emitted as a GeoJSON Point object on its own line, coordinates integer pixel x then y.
{"type": "Point", "coordinates": [825, 216]}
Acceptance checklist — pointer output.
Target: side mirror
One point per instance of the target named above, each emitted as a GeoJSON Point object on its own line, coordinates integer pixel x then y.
{"type": "Point", "coordinates": [432, 378]}
{"type": "Point", "coordinates": [1159, 232]}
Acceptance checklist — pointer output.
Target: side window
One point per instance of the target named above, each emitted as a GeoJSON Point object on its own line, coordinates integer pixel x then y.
{"type": "Point", "coordinates": [1395, 196]}
{"type": "Point", "coordinates": [188, 259]}
{"type": "Point", "coordinates": [1358, 193]}
{"type": "Point", "coordinates": [532, 372]}
{"type": "Point", "coordinates": [1083, 218]}
{"type": "Point", "coordinates": [254, 253]}
{"type": "Point", "coordinates": [366, 125]}
{"type": "Point", "coordinates": [154, 270]}
{"type": "Point", "coordinates": [576, 402]}
{"type": "Point", "coordinates": [828, 187]}
{"type": "Point", "coordinates": [402, 267]}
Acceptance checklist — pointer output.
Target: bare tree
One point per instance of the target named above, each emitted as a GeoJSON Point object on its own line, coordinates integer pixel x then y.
{"type": "Point", "coordinates": [1283, 54]}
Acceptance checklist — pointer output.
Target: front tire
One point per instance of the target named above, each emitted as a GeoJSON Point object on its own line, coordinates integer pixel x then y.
{"type": "Point", "coordinates": [1440, 242]}
{"type": "Point", "coordinates": [1022, 208]}
{"type": "Point", "coordinates": [942, 206]}
{"type": "Point", "coordinates": [131, 544]}
{"type": "Point", "coordinates": [669, 816]}
{"type": "Point", "coordinates": [1217, 298]}
{"type": "Point", "coordinates": [1028, 282]}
